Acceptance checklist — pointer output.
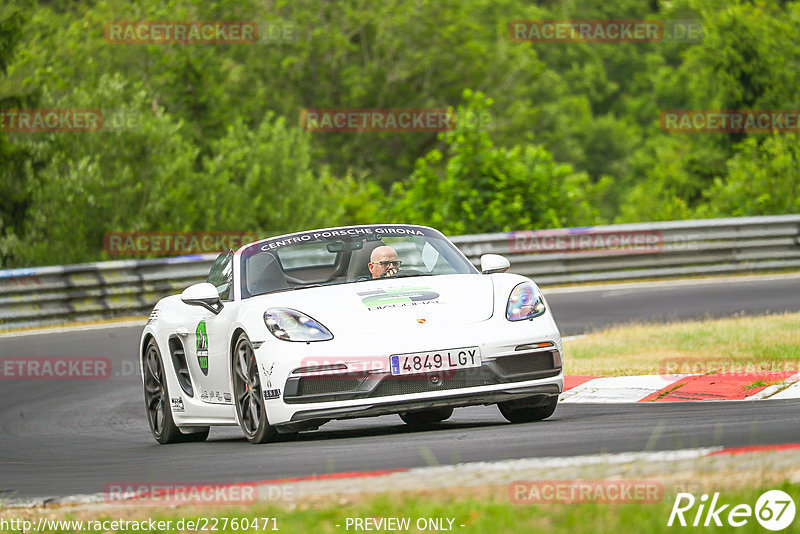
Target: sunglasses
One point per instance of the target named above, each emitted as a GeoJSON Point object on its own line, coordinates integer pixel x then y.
{"type": "Point", "coordinates": [387, 263]}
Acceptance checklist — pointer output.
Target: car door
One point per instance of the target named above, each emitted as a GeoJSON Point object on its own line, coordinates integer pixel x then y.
{"type": "Point", "coordinates": [208, 337]}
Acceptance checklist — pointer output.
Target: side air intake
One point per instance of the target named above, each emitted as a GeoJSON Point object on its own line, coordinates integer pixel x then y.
{"type": "Point", "coordinates": [179, 364]}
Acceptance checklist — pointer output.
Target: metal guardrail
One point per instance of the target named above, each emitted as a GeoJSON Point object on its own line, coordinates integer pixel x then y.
{"type": "Point", "coordinates": [91, 291]}
{"type": "Point", "coordinates": [60, 294]}
{"type": "Point", "coordinates": [671, 248]}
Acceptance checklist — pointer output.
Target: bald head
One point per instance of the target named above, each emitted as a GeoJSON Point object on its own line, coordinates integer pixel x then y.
{"type": "Point", "coordinates": [383, 253]}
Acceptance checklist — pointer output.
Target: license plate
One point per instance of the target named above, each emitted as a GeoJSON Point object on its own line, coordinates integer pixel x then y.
{"type": "Point", "coordinates": [436, 360]}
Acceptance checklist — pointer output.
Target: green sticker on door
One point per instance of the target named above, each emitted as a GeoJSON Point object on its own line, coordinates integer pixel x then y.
{"type": "Point", "coordinates": [202, 347]}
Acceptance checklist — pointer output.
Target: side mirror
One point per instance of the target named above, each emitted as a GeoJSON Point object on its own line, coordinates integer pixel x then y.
{"type": "Point", "coordinates": [494, 263]}
{"type": "Point", "coordinates": [202, 294]}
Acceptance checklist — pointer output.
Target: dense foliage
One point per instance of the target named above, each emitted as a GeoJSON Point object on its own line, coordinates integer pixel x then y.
{"type": "Point", "coordinates": [211, 137]}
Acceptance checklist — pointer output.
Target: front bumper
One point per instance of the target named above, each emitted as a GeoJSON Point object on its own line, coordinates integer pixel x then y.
{"type": "Point", "coordinates": [519, 367]}
{"type": "Point", "coordinates": [308, 419]}
{"type": "Point", "coordinates": [363, 385]}
{"type": "Point", "coordinates": [533, 376]}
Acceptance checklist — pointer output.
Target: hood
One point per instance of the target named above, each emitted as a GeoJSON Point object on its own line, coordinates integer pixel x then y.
{"type": "Point", "coordinates": [389, 305]}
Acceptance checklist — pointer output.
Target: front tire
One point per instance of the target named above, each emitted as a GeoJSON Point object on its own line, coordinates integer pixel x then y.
{"type": "Point", "coordinates": [426, 417]}
{"type": "Point", "coordinates": [157, 403]}
{"type": "Point", "coordinates": [516, 413]}
{"type": "Point", "coordinates": [248, 395]}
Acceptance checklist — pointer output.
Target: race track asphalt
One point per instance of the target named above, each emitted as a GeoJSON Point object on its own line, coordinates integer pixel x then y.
{"type": "Point", "coordinates": [60, 438]}
{"type": "Point", "coordinates": [578, 310]}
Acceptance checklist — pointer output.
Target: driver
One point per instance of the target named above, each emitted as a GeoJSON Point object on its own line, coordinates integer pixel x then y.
{"type": "Point", "coordinates": [383, 262]}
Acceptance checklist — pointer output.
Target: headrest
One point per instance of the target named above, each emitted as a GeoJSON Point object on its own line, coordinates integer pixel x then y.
{"type": "Point", "coordinates": [359, 260]}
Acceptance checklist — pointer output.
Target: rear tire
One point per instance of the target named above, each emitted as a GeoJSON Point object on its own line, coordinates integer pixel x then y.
{"type": "Point", "coordinates": [516, 413]}
{"type": "Point", "coordinates": [248, 395]}
{"type": "Point", "coordinates": [157, 403]}
{"type": "Point", "coordinates": [426, 417]}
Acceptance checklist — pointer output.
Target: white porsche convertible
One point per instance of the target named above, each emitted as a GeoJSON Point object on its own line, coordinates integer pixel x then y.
{"type": "Point", "coordinates": [290, 332]}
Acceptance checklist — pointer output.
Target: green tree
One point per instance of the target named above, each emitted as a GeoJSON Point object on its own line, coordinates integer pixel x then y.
{"type": "Point", "coordinates": [474, 186]}
{"type": "Point", "coordinates": [263, 180]}
{"type": "Point", "coordinates": [15, 194]}
{"type": "Point", "coordinates": [575, 135]}
{"type": "Point", "coordinates": [121, 177]}
{"type": "Point", "coordinates": [763, 179]}
{"type": "Point", "coordinates": [749, 59]}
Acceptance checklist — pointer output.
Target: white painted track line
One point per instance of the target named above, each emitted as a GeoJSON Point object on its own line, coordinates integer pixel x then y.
{"type": "Point", "coordinates": [618, 388]}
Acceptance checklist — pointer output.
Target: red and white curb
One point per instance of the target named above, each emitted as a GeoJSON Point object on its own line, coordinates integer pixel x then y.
{"type": "Point", "coordinates": [677, 388]}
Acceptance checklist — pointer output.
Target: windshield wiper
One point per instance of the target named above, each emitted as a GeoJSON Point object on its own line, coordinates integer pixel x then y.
{"type": "Point", "coordinates": [293, 288]}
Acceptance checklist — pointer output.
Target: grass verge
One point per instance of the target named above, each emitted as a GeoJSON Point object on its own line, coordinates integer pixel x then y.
{"type": "Point", "coordinates": [739, 344]}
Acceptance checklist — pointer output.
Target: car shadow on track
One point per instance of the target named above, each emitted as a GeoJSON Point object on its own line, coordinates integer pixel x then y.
{"type": "Point", "coordinates": [373, 430]}
{"type": "Point", "coordinates": [383, 430]}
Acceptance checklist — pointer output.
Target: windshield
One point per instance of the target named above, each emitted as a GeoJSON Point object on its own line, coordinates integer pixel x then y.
{"type": "Point", "coordinates": [347, 255]}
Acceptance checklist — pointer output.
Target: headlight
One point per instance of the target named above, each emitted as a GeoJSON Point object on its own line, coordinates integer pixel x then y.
{"type": "Point", "coordinates": [525, 302]}
{"type": "Point", "coordinates": [292, 325]}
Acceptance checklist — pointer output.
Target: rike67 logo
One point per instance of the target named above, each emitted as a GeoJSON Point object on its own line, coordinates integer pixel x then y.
{"type": "Point", "coordinates": [774, 510]}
